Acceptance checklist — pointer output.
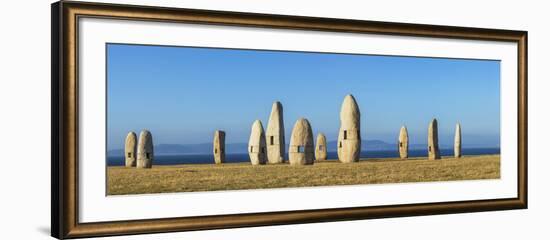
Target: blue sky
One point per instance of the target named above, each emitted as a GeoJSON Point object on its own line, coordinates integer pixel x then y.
{"type": "Point", "coordinates": [182, 94]}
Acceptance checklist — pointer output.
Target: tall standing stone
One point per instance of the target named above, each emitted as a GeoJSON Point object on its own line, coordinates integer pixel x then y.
{"type": "Point", "coordinates": [349, 136]}
{"type": "Point", "coordinates": [433, 144]}
{"type": "Point", "coordinates": [145, 153]}
{"type": "Point", "coordinates": [458, 141]}
{"type": "Point", "coordinates": [219, 147]}
{"type": "Point", "coordinates": [301, 144]}
{"type": "Point", "coordinates": [403, 143]}
{"type": "Point", "coordinates": [130, 149]}
{"type": "Point", "coordinates": [275, 135]}
{"type": "Point", "coordinates": [256, 144]}
{"type": "Point", "coordinates": [321, 147]}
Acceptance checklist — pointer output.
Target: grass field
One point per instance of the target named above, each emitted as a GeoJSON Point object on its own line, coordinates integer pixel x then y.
{"type": "Point", "coordinates": [233, 176]}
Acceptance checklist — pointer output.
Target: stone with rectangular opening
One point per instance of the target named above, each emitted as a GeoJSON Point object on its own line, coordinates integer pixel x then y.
{"type": "Point", "coordinates": [276, 132]}
{"type": "Point", "coordinates": [349, 137]}
{"type": "Point", "coordinates": [403, 139]}
{"type": "Point", "coordinates": [320, 149]}
{"type": "Point", "coordinates": [130, 149]}
{"type": "Point", "coordinates": [219, 146]}
{"type": "Point", "coordinates": [145, 152]}
{"type": "Point", "coordinates": [257, 144]}
{"type": "Point", "coordinates": [301, 144]}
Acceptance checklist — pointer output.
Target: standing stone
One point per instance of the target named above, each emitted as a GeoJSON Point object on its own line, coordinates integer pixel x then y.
{"type": "Point", "coordinates": [403, 143]}
{"type": "Point", "coordinates": [275, 135]}
{"type": "Point", "coordinates": [145, 154]}
{"type": "Point", "coordinates": [219, 147]}
{"type": "Point", "coordinates": [321, 147]}
{"type": "Point", "coordinates": [256, 144]}
{"type": "Point", "coordinates": [301, 144]}
{"type": "Point", "coordinates": [349, 136]}
{"type": "Point", "coordinates": [130, 149]}
{"type": "Point", "coordinates": [433, 145]}
{"type": "Point", "coordinates": [458, 141]}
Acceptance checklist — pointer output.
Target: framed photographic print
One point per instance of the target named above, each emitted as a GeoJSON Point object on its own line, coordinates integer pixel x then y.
{"type": "Point", "coordinates": [168, 119]}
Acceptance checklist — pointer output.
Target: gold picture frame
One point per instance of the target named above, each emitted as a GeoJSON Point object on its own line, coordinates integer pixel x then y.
{"type": "Point", "coordinates": [65, 124]}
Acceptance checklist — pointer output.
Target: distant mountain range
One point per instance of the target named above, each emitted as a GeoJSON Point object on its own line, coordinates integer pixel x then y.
{"type": "Point", "coordinates": [206, 148]}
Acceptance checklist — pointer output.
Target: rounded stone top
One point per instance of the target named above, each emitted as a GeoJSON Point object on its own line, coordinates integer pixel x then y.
{"type": "Point", "coordinates": [131, 141]}
{"type": "Point", "coordinates": [458, 132]}
{"type": "Point", "coordinates": [131, 134]}
{"type": "Point", "coordinates": [403, 134]}
{"type": "Point", "coordinates": [256, 133]}
{"type": "Point", "coordinates": [145, 133]}
{"type": "Point", "coordinates": [432, 130]}
{"type": "Point", "coordinates": [275, 123]}
{"type": "Point", "coordinates": [321, 138]}
{"type": "Point", "coordinates": [131, 137]}
{"type": "Point", "coordinates": [145, 140]}
{"type": "Point", "coordinates": [277, 106]}
{"type": "Point", "coordinates": [302, 133]}
{"type": "Point", "coordinates": [349, 114]}
{"type": "Point", "coordinates": [403, 130]}
{"type": "Point", "coordinates": [276, 109]}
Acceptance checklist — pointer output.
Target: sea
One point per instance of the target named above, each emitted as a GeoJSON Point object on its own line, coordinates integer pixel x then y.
{"type": "Point", "coordinates": [243, 157]}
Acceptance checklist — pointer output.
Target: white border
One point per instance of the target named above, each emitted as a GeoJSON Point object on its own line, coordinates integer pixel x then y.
{"type": "Point", "coordinates": [95, 206]}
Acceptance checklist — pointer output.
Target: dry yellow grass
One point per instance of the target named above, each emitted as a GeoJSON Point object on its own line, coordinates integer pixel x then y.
{"type": "Point", "coordinates": [233, 176]}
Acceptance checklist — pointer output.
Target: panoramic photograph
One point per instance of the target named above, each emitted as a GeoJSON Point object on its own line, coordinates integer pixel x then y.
{"type": "Point", "coordinates": [194, 119]}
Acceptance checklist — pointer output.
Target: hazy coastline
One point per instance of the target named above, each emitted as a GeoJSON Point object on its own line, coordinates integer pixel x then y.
{"type": "Point", "coordinates": [192, 158]}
